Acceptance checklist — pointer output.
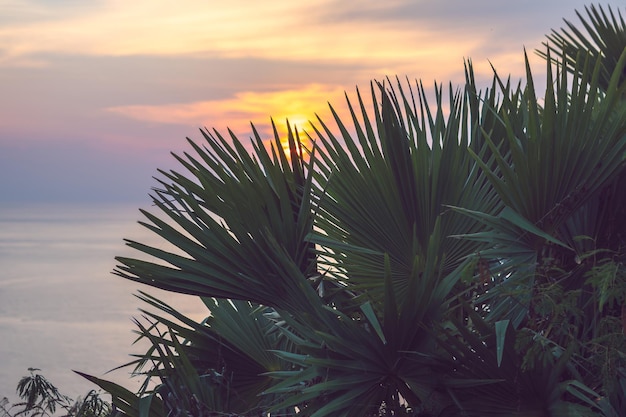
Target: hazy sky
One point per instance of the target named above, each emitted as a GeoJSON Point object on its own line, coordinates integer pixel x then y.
{"type": "Point", "coordinates": [94, 95]}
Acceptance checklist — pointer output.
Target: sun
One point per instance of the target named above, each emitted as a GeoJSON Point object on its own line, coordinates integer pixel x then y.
{"type": "Point", "coordinates": [297, 123]}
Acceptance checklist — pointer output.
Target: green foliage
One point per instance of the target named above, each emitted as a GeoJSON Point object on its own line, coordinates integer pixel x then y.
{"type": "Point", "coordinates": [456, 254]}
{"type": "Point", "coordinates": [40, 398]}
{"type": "Point", "coordinates": [604, 38]}
{"type": "Point", "coordinates": [92, 405]}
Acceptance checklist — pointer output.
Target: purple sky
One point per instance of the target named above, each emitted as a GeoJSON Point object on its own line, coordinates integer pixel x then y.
{"type": "Point", "coordinates": [94, 95]}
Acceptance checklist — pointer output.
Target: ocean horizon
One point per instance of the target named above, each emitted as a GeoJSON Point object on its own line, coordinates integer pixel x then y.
{"type": "Point", "coordinates": [61, 308]}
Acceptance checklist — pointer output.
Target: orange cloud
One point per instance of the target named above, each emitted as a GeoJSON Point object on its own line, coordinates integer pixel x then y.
{"type": "Point", "coordinates": [298, 105]}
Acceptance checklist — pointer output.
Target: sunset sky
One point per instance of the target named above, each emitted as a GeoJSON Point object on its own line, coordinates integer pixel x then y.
{"type": "Point", "coordinates": [94, 95]}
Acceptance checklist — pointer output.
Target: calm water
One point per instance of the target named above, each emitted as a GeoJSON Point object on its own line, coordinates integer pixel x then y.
{"type": "Point", "coordinates": [60, 306]}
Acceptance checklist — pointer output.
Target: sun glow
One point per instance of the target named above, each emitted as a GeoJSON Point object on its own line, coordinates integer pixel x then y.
{"type": "Point", "coordinates": [300, 127]}
{"type": "Point", "coordinates": [297, 106]}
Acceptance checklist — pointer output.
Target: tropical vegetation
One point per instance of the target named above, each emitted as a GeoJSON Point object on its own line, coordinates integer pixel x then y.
{"type": "Point", "coordinates": [40, 398]}
{"type": "Point", "coordinates": [454, 253]}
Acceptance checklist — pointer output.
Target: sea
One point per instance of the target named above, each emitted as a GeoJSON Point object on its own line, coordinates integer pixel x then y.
{"type": "Point", "coordinates": [61, 308]}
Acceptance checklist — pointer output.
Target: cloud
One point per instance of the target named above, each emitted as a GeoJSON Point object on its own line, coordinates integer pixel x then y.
{"type": "Point", "coordinates": [365, 32]}
{"type": "Point", "coordinates": [424, 39]}
{"type": "Point", "coordinates": [271, 29]}
{"type": "Point", "coordinates": [146, 27]}
{"type": "Point", "coordinates": [298, 105]}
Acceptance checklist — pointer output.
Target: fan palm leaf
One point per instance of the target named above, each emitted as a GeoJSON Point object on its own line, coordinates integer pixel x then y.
{"type": "Point", "coordinates": [231, 223]}
{"type": "Point", "coordinates": [386, 187]}
{"type": "Point", "coordinates": [603, 38]}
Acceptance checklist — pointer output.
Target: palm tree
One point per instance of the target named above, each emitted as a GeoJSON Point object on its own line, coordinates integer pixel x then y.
{"type": "Point", "coordinates": [426, 259]}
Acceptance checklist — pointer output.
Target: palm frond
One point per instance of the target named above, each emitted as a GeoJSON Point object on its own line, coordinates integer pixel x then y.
{"type": "Point", "coordinates": [231, 224]}
{"type": "Point", "coordinates": [386, 188]}
{"type": "Point", "coordinates": [603, 38]}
